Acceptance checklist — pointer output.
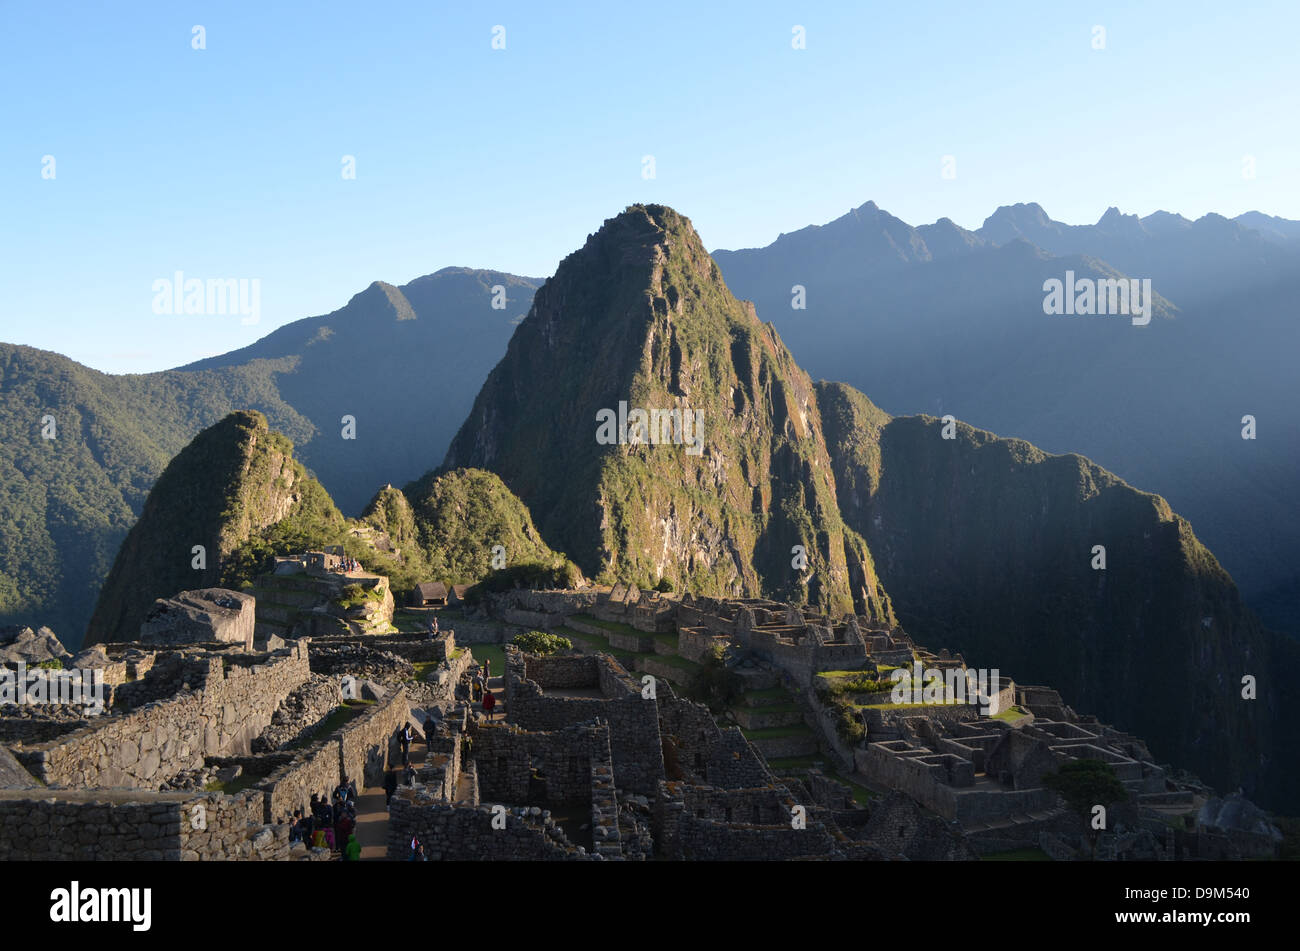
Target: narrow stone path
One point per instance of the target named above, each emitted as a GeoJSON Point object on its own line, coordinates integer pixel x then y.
{"type": "Point", "coordinates": [372, 812]}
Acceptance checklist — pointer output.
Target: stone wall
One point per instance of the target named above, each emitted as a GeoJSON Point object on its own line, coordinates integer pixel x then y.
{"type": "Point", "coordinates": [85, 825]}
{"type": "Point", "coordinates": [504, 755]}
{"type": "Point", "coordinates": [291, 786]}
{"type": "Point", "coordinates": [562, 671]}
{"type": "Point", "coordinates": [682, 835]}
{"type": "Point", "coordinates": [35, 729]}
{"type": "Point", "coordinates": [368, 743]}
{"type": "Point", "coordinates": [464, 834]}
{"type": "Point", "coordinates": [633, 721]}
{"type": "Point", "coordinates": [145, 747]}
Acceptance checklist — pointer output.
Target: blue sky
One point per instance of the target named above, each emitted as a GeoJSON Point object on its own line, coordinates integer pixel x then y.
{"type": "Point", "coordinates": [226, 162]}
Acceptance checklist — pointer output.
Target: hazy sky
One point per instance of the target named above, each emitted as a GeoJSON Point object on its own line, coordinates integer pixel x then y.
{"type": "Point", "coordinates": [227, 161]}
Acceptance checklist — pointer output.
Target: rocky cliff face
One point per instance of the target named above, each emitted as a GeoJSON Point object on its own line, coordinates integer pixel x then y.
{"type": "Point", "coordinates": [233, 480]}
{"type": "Point", "coordinates": [715, 499]}
{"type": "Point", "coordinates": [987, 547]}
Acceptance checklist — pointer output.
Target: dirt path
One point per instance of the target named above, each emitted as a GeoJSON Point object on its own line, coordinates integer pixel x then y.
{"type": "Point", "coordinates": [372, 813]}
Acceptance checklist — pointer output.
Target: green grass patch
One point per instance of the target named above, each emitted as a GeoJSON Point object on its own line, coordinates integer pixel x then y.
{"type": "Point", "coordinates": [598, 643]}
{"type": "Point", "coordinates": [343, 714]}
{"type": "Point", "coordinates": [495, 654]}
{"type": "Point", "coordinates": [770, 693]}
{"type": "Point", "coordinates": [681, 663]}
{"type": "Point", "coordinates": [794, 763]}
{"type": "Point", "coordinates": [669, 639]}
{"type": "Point", "coordinates": [422, 669]}
{"type": "Point", "coordinates": [1010, 714]}
{"type": "Point", "coordinates": [617, 626]}
{"type": "Point", "coordinates": [777, 732]}
{"type": "Point", "coordinates": [769, 708]}
{"type": "Point", "coordinates": [861, 794]}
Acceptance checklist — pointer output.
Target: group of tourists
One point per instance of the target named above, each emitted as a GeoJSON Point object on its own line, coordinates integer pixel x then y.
{"type": "Point", "coordinates": [330, 822]}
{"type": "Point", "coordinates": [349, 564]}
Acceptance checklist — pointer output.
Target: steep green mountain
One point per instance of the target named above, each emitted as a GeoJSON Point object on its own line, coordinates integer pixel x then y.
{"type": "Point", "coordinates": [234, 482]}
{"type": "Point", "coordinates": [67, 502]}
{"type": "Point", "coordinates": [986, 546]}
{"type": "Point", "coordinates": [640, 316]}
{"type": "Point", "coordinates": [460, 518]}
{"type": "Point", "coordinates": [939, 319]}
{"type": "Point", "coordinates": [404, 362]}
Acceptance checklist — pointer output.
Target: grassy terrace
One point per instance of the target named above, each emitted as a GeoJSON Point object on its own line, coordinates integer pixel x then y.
{"type": "Point", "coordinates": [628, 658]}
{"type": "Point", "coordinates": [495, 653]}
{"type": "Point", "coordinates": [771, 693]}
{"type": "Point", "coordinates": [791, 707]}
{"type": "Point", "coordinates": [1010, 715]}
{"type": "Point", "coordinates": [422, 668]}
{"type": "Point", "coordinates": [798, 765]}
{"type": "Point", "coordinates": [617, 626]}
{"type": "Point", "coordinates": [597, 643]}
{"type": "Point", "coordinates": [777, 732]}
{"type": "Point", "coordinates": [345, 712]}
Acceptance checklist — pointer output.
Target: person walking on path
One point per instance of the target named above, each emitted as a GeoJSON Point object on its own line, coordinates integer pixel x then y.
{"type": "Point", "coordinates": [489, 704]}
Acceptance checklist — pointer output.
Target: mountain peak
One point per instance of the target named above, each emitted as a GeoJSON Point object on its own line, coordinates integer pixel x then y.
{"type": "Point", "coordinates": [1114, 220]}
{"type": "Point", "coordinates": [1020, 220]}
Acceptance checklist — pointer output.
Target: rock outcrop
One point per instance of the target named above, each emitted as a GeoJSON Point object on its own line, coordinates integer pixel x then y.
{"type": "Point", "coordinates": [195, 617]}
{"type": "Point", "coordinates": [19, 643]}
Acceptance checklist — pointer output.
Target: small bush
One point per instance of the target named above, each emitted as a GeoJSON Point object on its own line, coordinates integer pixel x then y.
{"type": "Point", "coordinates": [540, 642]}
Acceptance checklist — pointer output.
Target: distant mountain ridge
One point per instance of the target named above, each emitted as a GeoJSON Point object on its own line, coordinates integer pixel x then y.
{"type": "Point", "coordinates": [939, 319]}
{"type": "Point", "coordinates": [404, 362]}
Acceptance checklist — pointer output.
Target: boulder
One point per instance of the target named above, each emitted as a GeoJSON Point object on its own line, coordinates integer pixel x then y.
{"type": "Point", "coordinates": [12, 774]}
{"type": "Point", "coordinates": [90, 658]}
{"type": "Point", "coordinates": [204, 615]}
{"type": "Point", "coordinates": [32, 647]}
{"type": "Point", "coordinates": [371, 690]}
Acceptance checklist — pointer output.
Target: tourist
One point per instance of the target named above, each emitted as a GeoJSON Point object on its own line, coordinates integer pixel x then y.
{"type": "Point", "coordinates": [489, 704]}
{"type": "Point", "coordinates": [408, 776]}
{"type": "Point", "coordinates": [405, 738]}
{"type": "Point", "coordinates": [295, 830]}
{"type": "Point", "coordinates": [417, 855]}
{"type": "Point", "coordinates": [487, 670]}
{"type": "Point", "coordinates": [352, 852]}
{"type": "Point", "coordinates": [318, 840]}
{"type": "Point", "coordinates": [343, 827]}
